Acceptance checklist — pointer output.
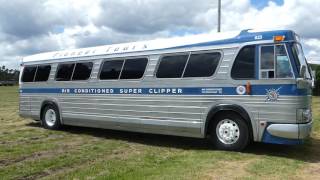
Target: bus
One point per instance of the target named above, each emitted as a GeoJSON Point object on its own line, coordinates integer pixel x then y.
{"type": "Point", "coordinates": [232, 88]}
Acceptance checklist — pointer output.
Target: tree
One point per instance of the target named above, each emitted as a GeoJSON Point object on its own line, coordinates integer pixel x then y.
{"type": "Point", "coordinates": [9, 74]}
{"type": "Point", "coordinates": [316, 90]}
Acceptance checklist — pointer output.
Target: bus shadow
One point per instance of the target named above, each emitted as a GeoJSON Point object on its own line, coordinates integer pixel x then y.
{"type": "Point", "coordinates": [308, 152]}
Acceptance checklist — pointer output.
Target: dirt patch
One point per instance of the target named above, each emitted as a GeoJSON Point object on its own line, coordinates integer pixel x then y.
{"type": "Point", "coordinates": [61, 149]}
{"type": "Point", "coordinates": [311, 171]}
{"type": "Point", "coordinates": [119, 154]}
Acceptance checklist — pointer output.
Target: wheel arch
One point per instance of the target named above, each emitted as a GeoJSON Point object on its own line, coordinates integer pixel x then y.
{"type": "Point", "coordinates": [229, 107]}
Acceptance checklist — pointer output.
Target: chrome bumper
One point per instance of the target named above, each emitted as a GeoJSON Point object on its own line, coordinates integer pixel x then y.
{"type": "Point", "coordinates": [290, 131]}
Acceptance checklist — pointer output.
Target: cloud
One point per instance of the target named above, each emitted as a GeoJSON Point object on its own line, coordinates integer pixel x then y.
{"type": "Point", "coordinates": [23, 19]}
{"type": "Point", "coordinates": [29, 27]}
{"type": "Point", "coordinates": [150, 16]}
{"type": "Point", "coordinates": [313, 48]}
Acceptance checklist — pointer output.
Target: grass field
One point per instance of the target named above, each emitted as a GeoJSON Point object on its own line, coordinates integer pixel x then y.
{"type": "Point", "coordinates": [28, 151]}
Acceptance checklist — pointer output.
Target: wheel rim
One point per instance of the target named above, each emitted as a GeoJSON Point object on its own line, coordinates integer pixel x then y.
{"type": "Point", "coordinates": [228, 131]}
{"type": "Point", "coordinates": [50, 117]}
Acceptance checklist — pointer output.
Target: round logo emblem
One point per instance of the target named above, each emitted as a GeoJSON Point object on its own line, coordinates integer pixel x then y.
{"type": "Point", "coordinates": [241, 90]}
{"type": "Point", "coordinates": [273, 94]}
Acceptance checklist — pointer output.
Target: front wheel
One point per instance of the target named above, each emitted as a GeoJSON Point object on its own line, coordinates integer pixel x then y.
{"type": "Point", "coordinates": [50, 117]}
{"type": "Point", "coordinates": [229, 132]}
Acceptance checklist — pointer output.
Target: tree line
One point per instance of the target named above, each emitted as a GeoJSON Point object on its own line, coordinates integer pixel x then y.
{"type": "Point", "coordinates": [9, 74]}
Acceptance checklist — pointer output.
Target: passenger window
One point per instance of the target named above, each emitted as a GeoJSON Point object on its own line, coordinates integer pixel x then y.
{"type": "Point", "coordinates": [111, 69]}
{"type": "Point", "coordinates": [202, 65]}
{"type": "Point", "coordinates": [244, 64]}
{"type": "Point", "coordinates": [283, 68]}
{"type": "Point", "coordinates": [172, 66]}
{"type": "Point", "coordinates": [82, 71]}
{"type": "Point", "coordinates": [43, 73]}
{"type": "Point", "coordinates": [64, 72]}
{"type": "Point", "coordinates": [267, 62]}
{"type": "Point", "coordinates": [134, 68]}
{"type": "Point", "coordinates": [28, 73]}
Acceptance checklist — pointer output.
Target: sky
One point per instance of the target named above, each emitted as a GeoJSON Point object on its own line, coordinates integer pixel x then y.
{"type": "Point", "coordinates": [28, 27]}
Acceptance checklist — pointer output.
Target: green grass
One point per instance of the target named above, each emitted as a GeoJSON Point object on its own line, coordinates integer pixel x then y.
{"type": "Point", "coordinates": [27, 151]}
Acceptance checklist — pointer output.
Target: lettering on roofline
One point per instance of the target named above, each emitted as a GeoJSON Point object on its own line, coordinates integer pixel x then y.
{"type": "Point", "coordinates": [113, 49]}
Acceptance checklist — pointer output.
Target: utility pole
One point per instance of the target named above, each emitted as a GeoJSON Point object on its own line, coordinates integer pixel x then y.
{"type": "Point", "coordinates": [219, 15]}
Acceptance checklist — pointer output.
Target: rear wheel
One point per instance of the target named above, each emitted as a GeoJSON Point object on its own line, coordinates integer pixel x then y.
{"type": "Point", "coordinates": [50, 117]}
{"type": "Point", "coordinates": [229, 132]}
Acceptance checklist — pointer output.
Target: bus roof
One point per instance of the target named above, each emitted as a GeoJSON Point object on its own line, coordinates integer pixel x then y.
{"type": "Point", "coordinates": [211, 39]}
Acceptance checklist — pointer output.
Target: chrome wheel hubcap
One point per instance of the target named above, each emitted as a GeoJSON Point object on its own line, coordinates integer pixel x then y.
{"type": "Point", "coordinates": [50, 117]}
{"type": "Point", "coordinates": [228, 131]}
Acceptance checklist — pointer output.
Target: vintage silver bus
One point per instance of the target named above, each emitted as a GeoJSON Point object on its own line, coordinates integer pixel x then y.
{"type": "Point", "coordinates": [232, 88]}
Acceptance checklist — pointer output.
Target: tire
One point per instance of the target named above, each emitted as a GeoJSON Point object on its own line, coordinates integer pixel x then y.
{"type": "Point", "coordinates": [229, 132]}
{"type": "Point", "coordinates": [51, 118]}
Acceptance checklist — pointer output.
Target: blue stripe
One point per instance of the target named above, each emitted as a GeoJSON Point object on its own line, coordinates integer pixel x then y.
{"type": "Point", "coordinates": [284, 89]}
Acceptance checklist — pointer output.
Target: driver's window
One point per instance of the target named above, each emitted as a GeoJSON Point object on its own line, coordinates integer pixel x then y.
{"type": "Point", "coordinates": [274, 62]}
{"type": "Point", "coordinates": [283, 69]}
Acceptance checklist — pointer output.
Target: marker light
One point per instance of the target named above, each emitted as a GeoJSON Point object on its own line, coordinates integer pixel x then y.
{"type": "Point", "coordinates": [248, 88]}
{"type": "Point", "coordinates": [278, 38]}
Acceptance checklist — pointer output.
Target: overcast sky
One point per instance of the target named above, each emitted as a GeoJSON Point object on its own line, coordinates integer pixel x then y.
{"type": "Point", "coordinates": [34, 26]}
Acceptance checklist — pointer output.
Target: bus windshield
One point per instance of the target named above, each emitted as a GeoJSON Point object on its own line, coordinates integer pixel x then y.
{"type": "Point", "coordinates": [297, 50]}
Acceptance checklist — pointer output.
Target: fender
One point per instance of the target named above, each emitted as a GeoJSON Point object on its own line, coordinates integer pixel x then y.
{"type": "Point", "coordinates": [229, 107]}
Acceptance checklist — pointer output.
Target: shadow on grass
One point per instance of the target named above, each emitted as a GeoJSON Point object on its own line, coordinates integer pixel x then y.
{"type": "Point", "coordinates": [308, 152]}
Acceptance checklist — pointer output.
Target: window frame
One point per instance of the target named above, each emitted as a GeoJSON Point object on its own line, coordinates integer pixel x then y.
{"type": "Point", "coordinates": [275, 62]}
{"type": "Point", "coordinates": [124, 61]}
{"type": "Point", "coordinates": [35, 74]}
{"type": "Point", "coordinates": [189, 53]}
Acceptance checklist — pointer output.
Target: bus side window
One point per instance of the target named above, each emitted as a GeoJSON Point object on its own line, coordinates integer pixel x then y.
{"type": "Point", "coordinates": [111, 69]}
{"type": "Point", "coordinates": [29, 73]}
{"type": "Point", "coordinates": [43, 73]}
{"type": "Point", "coordinates": [172, 66]}
{"type": "Point", "coordinates": [134, 68]}
{"type": "Point", "coordinates": [82, 71]}
{"type": "Point", "coordinates": [244, 64]}
{"type": "Point", "coordinates": [202, 64]}
{"type": "Point", "coordinates": [64, 72]}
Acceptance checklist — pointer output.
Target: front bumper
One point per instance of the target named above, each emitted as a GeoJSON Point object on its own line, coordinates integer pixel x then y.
{"type": "Point", "coordinates": [287, 133]}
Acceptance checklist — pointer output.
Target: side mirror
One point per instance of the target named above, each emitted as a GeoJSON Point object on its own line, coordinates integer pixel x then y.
{"type": "Point", "coordinates": [313, 74]}
{"type": "Point", "coordinates": [303, 70]}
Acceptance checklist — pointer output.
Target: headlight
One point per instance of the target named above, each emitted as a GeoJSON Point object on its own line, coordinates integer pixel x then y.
{"type": "Point", "coordinates": [304, 115]}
